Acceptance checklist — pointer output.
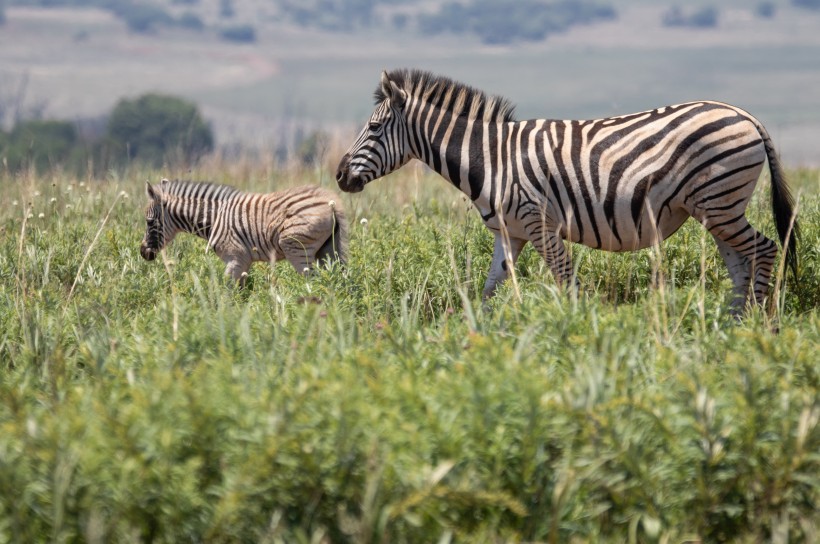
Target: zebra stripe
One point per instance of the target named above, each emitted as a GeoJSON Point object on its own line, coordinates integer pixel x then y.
{"type": "Point", "coordinates": [302, 225]}
{"type": "Point", "coordinates": [619, 184]}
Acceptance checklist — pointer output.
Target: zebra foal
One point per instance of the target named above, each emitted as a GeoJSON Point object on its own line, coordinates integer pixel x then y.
{"type": "Point", "coordinates": [619, 184]}
{"type": "Point", "coordinates": [303, 225]}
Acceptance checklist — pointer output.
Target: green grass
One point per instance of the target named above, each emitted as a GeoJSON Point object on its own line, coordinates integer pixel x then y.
{"type": "Point", "coordinates": [378, 403]}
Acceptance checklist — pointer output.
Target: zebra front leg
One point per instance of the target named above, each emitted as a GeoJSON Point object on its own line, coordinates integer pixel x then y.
{"type": "Point", "coordinates": [505, 253]}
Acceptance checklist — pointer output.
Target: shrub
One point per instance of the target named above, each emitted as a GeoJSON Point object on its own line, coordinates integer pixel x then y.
{"type": "Point", "coordinates": [156, 128]}
{"type": "Point", "coordinates": [40, 144]}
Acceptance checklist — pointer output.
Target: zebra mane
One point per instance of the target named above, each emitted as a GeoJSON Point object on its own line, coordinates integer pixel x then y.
{"type": "Point", "coordinates": [461, 99]}
{"type": "Point", "coordinates": [196, 189]}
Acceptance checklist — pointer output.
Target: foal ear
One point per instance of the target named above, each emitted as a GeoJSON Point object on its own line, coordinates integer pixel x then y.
{"type": "Point", "coordinates": [151, 192]}
{"type": "Point", "coordinates": [396, 96]}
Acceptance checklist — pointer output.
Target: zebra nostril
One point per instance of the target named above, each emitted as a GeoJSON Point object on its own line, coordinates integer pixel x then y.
{"type": "Point", "coordinates": [339, 175]}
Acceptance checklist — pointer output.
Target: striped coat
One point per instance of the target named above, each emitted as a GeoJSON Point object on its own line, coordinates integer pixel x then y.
{"type": "Point", "coordinates": [302, 225]}
{"type": "Point", "coordinates": [618, 184]}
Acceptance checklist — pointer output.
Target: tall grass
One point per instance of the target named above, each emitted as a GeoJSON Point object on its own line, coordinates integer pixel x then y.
{"type": "Point", "coordinates": [378, 402]}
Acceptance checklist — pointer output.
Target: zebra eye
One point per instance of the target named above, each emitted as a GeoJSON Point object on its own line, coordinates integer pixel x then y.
{"type": "Point", "coordinates": [374, 126]}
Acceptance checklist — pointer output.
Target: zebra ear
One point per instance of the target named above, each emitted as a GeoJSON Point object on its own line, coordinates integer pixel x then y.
{"type": "Point", "coordinates": [396, 96]}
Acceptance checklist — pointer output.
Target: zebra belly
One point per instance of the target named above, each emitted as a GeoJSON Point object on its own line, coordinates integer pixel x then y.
{"type": "Point", "coordinates": [621, 232]}
{"type": "Point", "coordinates": [510, 227]}
{"type": "Point", "coordinates": [647, 235]}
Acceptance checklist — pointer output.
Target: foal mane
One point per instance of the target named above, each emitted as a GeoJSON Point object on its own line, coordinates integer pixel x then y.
{"type": "Point", "coordinates": [196, 189]}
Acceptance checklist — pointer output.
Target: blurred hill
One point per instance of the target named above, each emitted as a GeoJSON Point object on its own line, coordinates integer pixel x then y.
{"type": "Point", "coordinates": [267, 74]}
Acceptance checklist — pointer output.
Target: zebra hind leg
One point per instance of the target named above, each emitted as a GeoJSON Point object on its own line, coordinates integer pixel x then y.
{"type": "Point", "coordinates": [554, 252]}
{"type": "Point", "coordinates": [740, 273]}
{"type": "Point", "coordinates": [758, 251]}
{"type": "Point", "coordinates": [302, 258]}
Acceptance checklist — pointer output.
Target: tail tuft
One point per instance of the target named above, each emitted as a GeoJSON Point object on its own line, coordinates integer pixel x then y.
{"type": "Point", "coordinates": [782, 206]}
{"type": "Point", "coordinates": [335, 247]}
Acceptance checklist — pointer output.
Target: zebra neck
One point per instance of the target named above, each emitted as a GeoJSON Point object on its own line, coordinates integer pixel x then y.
{"type": "Point", "coordinates": [195, 216]}
{"type": "Point", "coordinates": [462, 150]}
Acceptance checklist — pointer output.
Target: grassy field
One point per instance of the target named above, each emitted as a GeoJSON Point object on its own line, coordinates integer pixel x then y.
{"type": "Point", "coordinates": [155, 402]}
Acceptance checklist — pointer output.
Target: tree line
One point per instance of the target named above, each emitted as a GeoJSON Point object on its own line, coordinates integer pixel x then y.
{"type": "Point", "coordinates": [152, 129]}
{"type": "Point", "coordinates": [491, 21]}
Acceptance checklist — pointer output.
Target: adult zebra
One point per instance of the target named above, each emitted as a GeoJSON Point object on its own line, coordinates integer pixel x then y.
{"type": "Point", "coordinates": [618, 184]}
{"type": "Point", "coordinates": [303, 225]}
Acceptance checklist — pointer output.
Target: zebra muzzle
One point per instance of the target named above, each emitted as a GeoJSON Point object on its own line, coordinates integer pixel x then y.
{"type": "Point", "coordinates": [346, 182]}
{"type": "Point", "coordinates": [147, 253]}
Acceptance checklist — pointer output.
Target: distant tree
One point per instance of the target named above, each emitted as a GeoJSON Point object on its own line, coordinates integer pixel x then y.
{"type": "Point", "coordinates": [226, 9]}
{"type": "Point", "coordinates": [141, 17]}
{"type": "Point", "coordinates": [506, 21]}
{"type": "Point", "coordinates": [706, 17]}
{"type": "Point", "coordinates": [673, 17]}
{"type": "Point", "coordinates": [156, 128]}
{"type": "Point", "coordinates": [765, 10]}
{"type": "Point", "coordinates": [239, 33]}
{"type": "Point", "coordinates": [191, 21]}
{"type": "Point", "coordinates": [400, 21]}
{"type": "Point", "coordinates": [336, 15]}
{"type": "Point", "coordinates": [40, 144]}
{"type": "Point", "coordinates": [809, 4]}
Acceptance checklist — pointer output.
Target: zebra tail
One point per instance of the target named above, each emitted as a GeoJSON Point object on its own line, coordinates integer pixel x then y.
{"type": "Point", "coordinates": [782, 204]}
{"type": "Point", "coordinates": [340, 235]}
{"type": "Point", "coordinates": [335, 247]}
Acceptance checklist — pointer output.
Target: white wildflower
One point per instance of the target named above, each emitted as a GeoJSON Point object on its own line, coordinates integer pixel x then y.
{"type": "Point", "coordinates": [31, 426]}
{"type": "Point", "coordinates": [68, 206]}
{"type": "Point", "coordinates": [82, 184]}
{"type": "Point", "coordinates": [306, 270]}
{"type": "Point", "coordinates": [332, 203]}
{"type": "Point", "coordinates": [30, 216]}
{"type": "Point", "coordinates": [363, 221]}
{"type": "Point", "coordinates": [41, 216]}
{"type": "Point", "coordinates": [53, 200]}
{"type": "Point", "coordinates": [14, 203]}
{"type": "Point", "coordinates": [70, 187]}
{"type": "Point", "coordinates": [36, 193]}
{"type": "Point", "coordinates": [123, 194]}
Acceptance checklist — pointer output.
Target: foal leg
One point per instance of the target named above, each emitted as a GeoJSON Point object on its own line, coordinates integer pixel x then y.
{"type": "Point", "coordinates": [298, 254]}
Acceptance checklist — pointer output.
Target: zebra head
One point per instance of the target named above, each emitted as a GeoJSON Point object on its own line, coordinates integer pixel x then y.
{"type": "Point", "coordinates": [382, 145]}
{"type": "Point", "coordinates": [158, 230]}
